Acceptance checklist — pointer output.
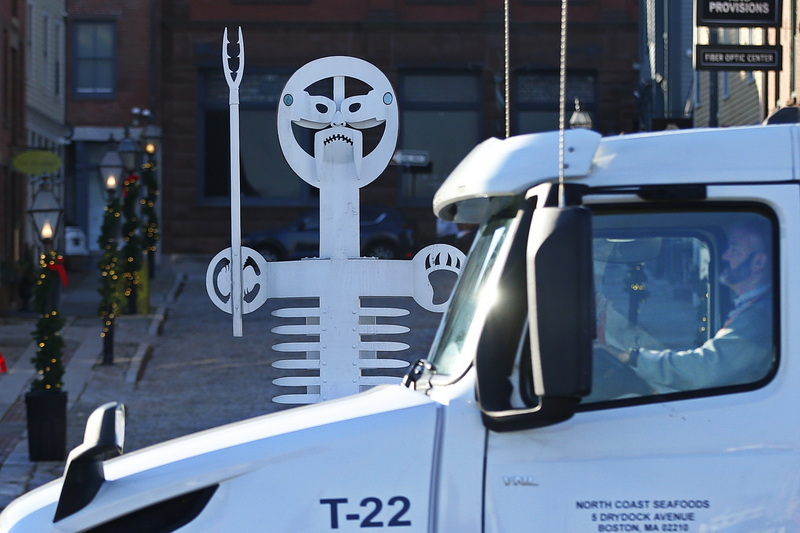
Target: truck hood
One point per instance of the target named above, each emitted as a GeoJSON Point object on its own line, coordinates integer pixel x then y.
{"type": "Point", "coordinates": [343, 461]}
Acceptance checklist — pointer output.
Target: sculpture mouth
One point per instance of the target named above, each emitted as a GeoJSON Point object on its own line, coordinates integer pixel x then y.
{"type": "Point", "coordinates": [339, 147]}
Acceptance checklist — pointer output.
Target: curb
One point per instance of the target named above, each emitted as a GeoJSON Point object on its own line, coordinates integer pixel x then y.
{"type": "Point", "coordinates": [138, 362]}
{"type": "Point", "coordinates": [145, 349]}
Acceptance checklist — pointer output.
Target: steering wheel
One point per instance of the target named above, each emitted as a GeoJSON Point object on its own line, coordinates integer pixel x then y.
{"type": "Point", "coordinates": [612, 379]}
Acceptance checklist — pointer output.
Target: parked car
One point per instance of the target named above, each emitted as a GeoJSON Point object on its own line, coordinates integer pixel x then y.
{"type": "Point", "coordinates": [385, 233]}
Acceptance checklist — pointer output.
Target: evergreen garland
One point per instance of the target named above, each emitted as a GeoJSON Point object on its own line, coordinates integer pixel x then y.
{"type": "Point", "coordinates": [109, 290]}
{"type": "Point", "coordinates": [149, 215]}
{"type": "Point", "coordinates": [48, 360]}
{"type": "Point", "coordinates": [132, 246]}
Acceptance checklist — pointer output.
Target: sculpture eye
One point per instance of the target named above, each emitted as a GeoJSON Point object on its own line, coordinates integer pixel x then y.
{"type": "Point", "coordinates": [354, 107]}
{"type": "Point", "coordinates": [322, 108]}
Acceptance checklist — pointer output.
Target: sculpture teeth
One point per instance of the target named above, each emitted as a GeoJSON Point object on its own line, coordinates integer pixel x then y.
{"type": "Point", "coordinates": [338, 137]}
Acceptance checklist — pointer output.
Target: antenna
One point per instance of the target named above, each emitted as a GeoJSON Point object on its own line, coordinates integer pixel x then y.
{"type": "Point", "coordinates": [562, 102]}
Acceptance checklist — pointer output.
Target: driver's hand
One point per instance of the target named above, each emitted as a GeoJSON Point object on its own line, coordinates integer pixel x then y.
{"type": "Point", "coordinates": [623, 356]}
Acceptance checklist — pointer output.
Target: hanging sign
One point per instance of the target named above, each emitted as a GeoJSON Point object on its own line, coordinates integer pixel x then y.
{"type": "Point", "coordinates": [738, 13]}
{"type": "Point", "coordinates": [37, 162]}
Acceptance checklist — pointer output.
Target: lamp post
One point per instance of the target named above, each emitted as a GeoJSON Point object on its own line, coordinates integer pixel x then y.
{"type": "Point", "coordinates": [129, 153]}
{"type": "Point", "coordinates": [46, 214]}
{"type": "Point", "coordinates": [46, 402]}
{"type": "Point", "coordinates": [151, 139]}
{"type": "Point", "coordinates": [110, 172]}
{"type": "Point", "coordinates": [579, 117]}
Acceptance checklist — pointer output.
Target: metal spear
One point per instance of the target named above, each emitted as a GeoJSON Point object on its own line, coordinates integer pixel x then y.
{"type": "Point", "coordinates": [236, 230]}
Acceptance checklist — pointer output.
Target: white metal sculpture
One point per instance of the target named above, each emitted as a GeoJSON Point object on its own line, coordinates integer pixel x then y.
{"type": "Point", "coordinates": [338, 164]}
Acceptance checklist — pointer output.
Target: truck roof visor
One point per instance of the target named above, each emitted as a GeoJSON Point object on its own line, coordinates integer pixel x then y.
{"type": "Point", "coordinates": [511, 166]}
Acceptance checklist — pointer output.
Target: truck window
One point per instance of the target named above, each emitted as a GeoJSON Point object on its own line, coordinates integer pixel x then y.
{"type": "Point", "coordinates": [684, 303]}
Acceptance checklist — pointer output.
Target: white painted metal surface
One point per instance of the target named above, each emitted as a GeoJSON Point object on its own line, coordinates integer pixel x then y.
{"type": "Point", "coordinates": [234, 80]}
{"type": "Point", "coordinates": [263, 463]}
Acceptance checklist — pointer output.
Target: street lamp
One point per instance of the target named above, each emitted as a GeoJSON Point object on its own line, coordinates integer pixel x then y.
{"type": "Point", "coordinates": [580, 118]}
{"type": "Point", "coordinates": [110, 169]}
{"type": "Point", "coordinates": [110, 172]}
{"type": "Point", "coordinates": [129, 153]}
{"type": "Point", "coordinates": [45, 213]}
{"type": "Point", "coordinates": [151, 138]}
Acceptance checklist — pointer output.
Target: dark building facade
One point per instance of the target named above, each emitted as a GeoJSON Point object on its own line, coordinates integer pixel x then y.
{"type": "Point", "coordinates": [445, 59]}
{"type": "Point", "coordinates": [13, 184]}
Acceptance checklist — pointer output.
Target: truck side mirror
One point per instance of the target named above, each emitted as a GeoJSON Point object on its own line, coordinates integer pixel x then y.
{"type": "Point", "coordinates": [554, 261]}
{"type": "Point", "coordinates": [103, 439]}
{"type": "Point", "coordinates": [560, 305]}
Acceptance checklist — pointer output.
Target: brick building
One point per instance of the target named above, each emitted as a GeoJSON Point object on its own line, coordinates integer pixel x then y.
{"type": "Point", "coordinates": [444, 58]}
{"type": "Point", "coordinates": [112, 77]}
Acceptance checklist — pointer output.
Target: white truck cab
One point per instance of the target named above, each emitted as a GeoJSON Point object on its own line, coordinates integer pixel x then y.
{"type": "Point", "coordinates": [616, 357]}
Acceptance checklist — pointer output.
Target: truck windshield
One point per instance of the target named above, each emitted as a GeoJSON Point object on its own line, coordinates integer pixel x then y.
{"type": "Point", "coordinates": [473, 296]}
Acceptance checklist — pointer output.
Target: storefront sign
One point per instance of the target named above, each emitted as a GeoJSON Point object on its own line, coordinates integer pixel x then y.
{"type": "Point", "coordinates": [738, 13]}
{"type": "Point", "coordinates": [734, 57]}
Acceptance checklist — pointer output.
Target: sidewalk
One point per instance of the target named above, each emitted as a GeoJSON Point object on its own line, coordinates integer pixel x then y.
{"type": "Point", "coordinates": [83, 355]}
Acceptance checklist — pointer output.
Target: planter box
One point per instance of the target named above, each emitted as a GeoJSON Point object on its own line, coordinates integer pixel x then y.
{"type": "Point", "coordinates": [47, 425]}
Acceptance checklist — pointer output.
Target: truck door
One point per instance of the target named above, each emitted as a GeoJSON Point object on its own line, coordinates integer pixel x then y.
{"type": "Point", "coordinates": [692, 422]}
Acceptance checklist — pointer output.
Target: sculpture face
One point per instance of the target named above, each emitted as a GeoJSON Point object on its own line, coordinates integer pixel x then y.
{"type": "Point", "coordinates": [337, 123]}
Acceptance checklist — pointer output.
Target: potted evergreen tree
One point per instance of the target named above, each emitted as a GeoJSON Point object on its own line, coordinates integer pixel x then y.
{"type": "Point", "coordinates": [46, 402]}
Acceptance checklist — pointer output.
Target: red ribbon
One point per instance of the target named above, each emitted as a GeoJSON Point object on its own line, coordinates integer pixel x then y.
{"type": "Point", "coordinates": [3, 367]}
{"type": "Point", "coordinates": [58, 268]}
{"type": "Point", "coordinates": [125, 184]}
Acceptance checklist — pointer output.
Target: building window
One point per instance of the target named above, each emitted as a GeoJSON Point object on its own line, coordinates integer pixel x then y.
{"type": "Point", "coordinates": [45, 50]}
{"type": "Point", "coordinates": [95, 59]}
{"type": "Point", "coordinates": [439, 115]}
{"type": "Point", "coordinates": [266, 178]}
{"type": "Point", "coordinates": [29, 41]}
{"type": "Point", "coordinates": [536, 97]}
{"type": "Point", "coordinates": [56, 59]}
